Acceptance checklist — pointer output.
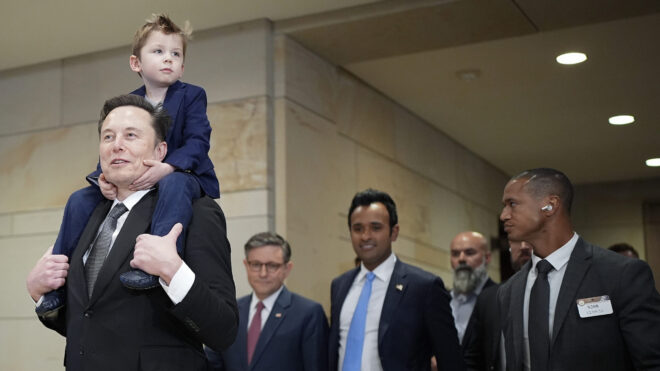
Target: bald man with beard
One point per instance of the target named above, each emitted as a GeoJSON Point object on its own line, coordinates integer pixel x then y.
{"type": "Point", "coordinates": [470, 256]}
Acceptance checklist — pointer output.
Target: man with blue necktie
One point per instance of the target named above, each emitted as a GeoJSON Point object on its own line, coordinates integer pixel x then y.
{"type": "Point", "coordinates": [385, 314]}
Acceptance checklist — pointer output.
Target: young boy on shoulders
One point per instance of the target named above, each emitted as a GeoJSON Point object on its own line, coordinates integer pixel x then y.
{"type": "Point", "coordinates": [185, 174]}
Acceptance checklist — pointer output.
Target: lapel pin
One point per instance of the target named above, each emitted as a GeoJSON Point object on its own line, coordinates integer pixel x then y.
{"type": "Point", "coordinates": [278, 315]}
{"type": "Point", "coordinates": [399, 287]}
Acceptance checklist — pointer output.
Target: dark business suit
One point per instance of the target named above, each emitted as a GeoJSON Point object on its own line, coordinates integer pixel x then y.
{"type": "Point", "coordinates": [295, 337]}
{"type": "Point", "coordinates": [481, 348]}
{"type": "Point", "coordinates": [469, 329]}
{"type": "Point", "coordinates": [120, 329]}
{"type": "Point", "coordinates": [627, 339]}
{"type": "Point", "coordinates": [415, 323]}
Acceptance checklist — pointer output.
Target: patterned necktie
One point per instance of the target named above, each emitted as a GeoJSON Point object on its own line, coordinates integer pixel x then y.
{"type": "Point", "coordinates": [253, 332]}
{"type": "Point", "coordinates": [355, 338]}
{"type": "Point", "coordinates": [537, 329]}
{"type": "Point", "coordinates": [101, 246]}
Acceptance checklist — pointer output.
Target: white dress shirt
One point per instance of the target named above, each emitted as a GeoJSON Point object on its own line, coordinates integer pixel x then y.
{"type": "Point", "coordinates": [269, 302]}
{"type": "Point", "coordinates": [559, 260]}
{"type": "Point", "coordinates": [383, 273]}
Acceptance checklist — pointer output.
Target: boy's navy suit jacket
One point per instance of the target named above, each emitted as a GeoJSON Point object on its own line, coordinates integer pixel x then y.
{"type": "Point", "coordinates": [188, 135]}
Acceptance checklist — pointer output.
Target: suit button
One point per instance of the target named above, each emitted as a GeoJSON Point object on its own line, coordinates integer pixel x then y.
{"type": "Point", "coordinates": [82, 353]}
{"type": "Point", "coordinates": [88, 314]}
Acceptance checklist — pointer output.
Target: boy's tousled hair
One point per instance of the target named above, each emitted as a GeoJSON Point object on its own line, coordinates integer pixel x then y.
{"type": "Point", "coordinates": [162, 23]}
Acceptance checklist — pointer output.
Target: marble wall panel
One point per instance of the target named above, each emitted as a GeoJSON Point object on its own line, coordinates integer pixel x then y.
{"type": "Point", "coordinates": [239, 230]}
{"type": "Point", "coordinates": [6, 224]}
{"type": "Point", "coordinates": [230, 62]}
{"type": "Point", "coordinates": [239, 143]}
{"type": "Point", "coordinates": [41, 169]}
{"type": "Point", "coordinates": [365, 115]}
{"type": "Point", "coordinates": [320, 182]}
{"type": "Point", "coordinates": [478, 180]}
{"type": "Point", "coordinates": [30, 98]}
{"type": "Point", "coordinates": [89, 80]}
{"type": "Point", "coordinates": [244, 203]}
{"type": "Point", "coordinates": [19, 255]}
{"type": "Point", "coordinates": [42, 221]}
{"type": "Point", "coordinates": [607, 235]}
{"type": "Point", "coordinates": [305, 78]}
{"type": "Point", "coordinates": [26, 345]}
{"type": "Point", "coordinates": [424, 149]}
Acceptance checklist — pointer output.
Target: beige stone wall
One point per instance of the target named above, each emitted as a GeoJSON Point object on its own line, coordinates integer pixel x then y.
{"type": "Point", "coordinates": [609, 213]}
{"type": "Point", "coordinates": [342, 136]}
{"type": "Point", "coordinates": [49, 142]}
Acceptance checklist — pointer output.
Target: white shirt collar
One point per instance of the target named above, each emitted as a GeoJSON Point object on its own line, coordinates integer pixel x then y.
{"type": "Point", "coordinates": [559, 257]}
{"type": "Point", "coordinates": [383, 271]}
{"type": "Point", "coordinates": [132, 199]}
{"type": "Point", "coordinates": [269, 302]}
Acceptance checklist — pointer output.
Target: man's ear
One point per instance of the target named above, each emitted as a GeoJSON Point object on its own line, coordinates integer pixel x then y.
{"type": "Point", "coordinates": [161, 150]}
{"type": "Point", "coordinates": [394, 233]}
{"type": "Point", "coordinates": [555, 202]}
{"type": "Point", "coordinates": [135, 64]}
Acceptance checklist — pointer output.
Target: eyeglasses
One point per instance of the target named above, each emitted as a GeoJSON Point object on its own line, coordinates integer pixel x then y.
{"type": "Point", "coordinates": [270, 267]}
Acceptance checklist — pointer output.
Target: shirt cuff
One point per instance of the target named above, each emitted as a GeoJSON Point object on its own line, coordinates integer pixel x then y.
{"type": "Point", "coordinates": [180, 284]}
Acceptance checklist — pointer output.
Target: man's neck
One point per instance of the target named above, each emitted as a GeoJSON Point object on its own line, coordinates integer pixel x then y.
{"type": "Point", "coordinates": [552, 242]}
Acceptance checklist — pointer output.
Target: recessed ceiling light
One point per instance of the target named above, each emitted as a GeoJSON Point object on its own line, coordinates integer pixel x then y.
{"type": "Point", "coordinates": [622, 120]}
{"type": "Point", "coordinates": [470, 74]}
{"type": "Point", "coordinates": [571, 58]}
{"type": "Point", "coordinates": [653, 162]}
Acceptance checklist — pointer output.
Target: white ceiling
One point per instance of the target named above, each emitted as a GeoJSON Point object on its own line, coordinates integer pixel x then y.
{"type": "Point", "coordinates": [523, 111]}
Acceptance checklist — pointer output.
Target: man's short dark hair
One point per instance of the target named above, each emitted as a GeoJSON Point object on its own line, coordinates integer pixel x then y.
{"type": "Point", "coordinates": [623, 247]}
{"type": "Point", "coordinates": [369, 196]}
{"type": "Point", "coordinates": [160, 120]}
{"type": "Point", "coordinates": [267, 239]}
{"type": "Point", "coordinates": [545, 181]}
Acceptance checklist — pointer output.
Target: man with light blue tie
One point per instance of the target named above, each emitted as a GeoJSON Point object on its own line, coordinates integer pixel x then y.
{"type": "Point", "coordinates": [385, 314]}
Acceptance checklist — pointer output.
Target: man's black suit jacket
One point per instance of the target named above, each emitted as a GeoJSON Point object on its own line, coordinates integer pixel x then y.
{"type": "Point", "coordinates": [481, 348]}
{"type": "Point", "coordinates": [415, 322]}
{"type": "Point", "coordinates": [627, 339]}
{"type": "Point", "coordinates": [121, 329]}
{"type": "Point", "coordinates": [470, 329]}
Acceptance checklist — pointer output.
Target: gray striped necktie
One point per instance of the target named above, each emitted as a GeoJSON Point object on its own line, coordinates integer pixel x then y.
{"type": "Point", "coordinates": [101, 246]}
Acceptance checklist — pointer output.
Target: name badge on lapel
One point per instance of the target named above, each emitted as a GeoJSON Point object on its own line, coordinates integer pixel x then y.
{"type": "Point", "coordinates": [596, 306]}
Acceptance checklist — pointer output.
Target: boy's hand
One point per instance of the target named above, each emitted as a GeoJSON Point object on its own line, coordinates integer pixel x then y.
{"type": "Point", "coordinates": [157, 171]}
{"type": "Point", "coordinates": [48, 274]}
{"type": "Point", "coordinates": [108, 189]}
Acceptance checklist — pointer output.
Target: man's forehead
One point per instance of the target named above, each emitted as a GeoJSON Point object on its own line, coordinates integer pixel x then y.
{"type": "Point", "coordinates": [128, 115]}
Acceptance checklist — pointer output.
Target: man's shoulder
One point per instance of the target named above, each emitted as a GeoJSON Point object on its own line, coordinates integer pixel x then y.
{"type": "Point", "coordinates": [304, 304]}
{"type": "Point", "coordinates": [415, 273]}
{"type": "Point", "coordinates": [349, 274]}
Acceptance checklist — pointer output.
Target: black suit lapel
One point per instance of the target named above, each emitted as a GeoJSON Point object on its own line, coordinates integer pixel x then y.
{"type": "Point", "coordinates": [77, 281]}
{"type": "Point", "coordinates": [342, 292]}
{"type": "Point", "coordinates": [578, 265]}
{"type": "Point", "coordinates": [275, 319]}
{"type": "Point", "coordinates": [395, 292]}
{"type": "Point", "coordinates": [138, 222]}
{"type": "Point", "coordinates": [513, 320]}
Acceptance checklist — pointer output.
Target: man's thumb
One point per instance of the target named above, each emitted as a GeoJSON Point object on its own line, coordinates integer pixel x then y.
{"type": "Point", "coordinates": [175, 231]}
